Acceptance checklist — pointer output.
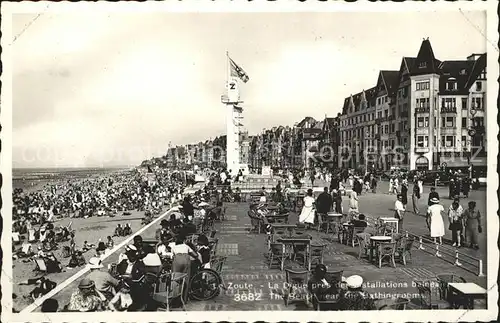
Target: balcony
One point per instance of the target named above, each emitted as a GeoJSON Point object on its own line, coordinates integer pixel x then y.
{"type": "Point", "coordinates": [448, 109]}
{"type": "Point", "coordinates": [422, 150]}
{"type": "Point", "coordinates": [422, 110]}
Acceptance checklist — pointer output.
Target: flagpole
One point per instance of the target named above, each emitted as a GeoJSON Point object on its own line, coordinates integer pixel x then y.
{"type": "Point", "coordinates": [228, 70]}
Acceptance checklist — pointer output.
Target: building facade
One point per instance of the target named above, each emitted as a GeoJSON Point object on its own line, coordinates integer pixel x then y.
{"type": "Point", "coordinates": [428, 114]}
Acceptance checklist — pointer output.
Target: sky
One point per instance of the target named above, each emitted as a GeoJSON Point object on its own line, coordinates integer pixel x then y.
{"type": "Point", "coordinates": [113, 89]}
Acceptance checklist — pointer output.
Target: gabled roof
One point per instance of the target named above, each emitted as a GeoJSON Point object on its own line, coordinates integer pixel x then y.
{"type": "Point", "coordinates": [457, 71]}
{"type": "Point", "coordinates": [426, 62]}
{"type": "Point", "coordinates": [302, 123]}
{"type": "Point", "coordinates": [370, 95]}
{"type": "Point", "coordinates": [477, 68]}
{"type": "Point", "coordinates": [391, 81]}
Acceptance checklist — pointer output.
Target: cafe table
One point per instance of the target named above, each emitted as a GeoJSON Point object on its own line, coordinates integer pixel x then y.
{"type": "Point", "coordinates": [336, 218]}
{"type": "Point", "coordinates": [273, 217]}
{"type": "Point", "coordinates": [288, 245]}
{"type": "Point", "coordinates": [392, 221]}
{"type": "Point", "coordinates": [374, 240]}
{"type": "Point", "coordinates": [469, 292]}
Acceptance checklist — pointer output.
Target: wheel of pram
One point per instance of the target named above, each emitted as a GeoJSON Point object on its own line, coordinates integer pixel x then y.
{"type": "Point", "coordinates": [205, 285]}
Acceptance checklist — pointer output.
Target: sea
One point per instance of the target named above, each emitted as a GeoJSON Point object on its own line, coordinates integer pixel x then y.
{"type": "Point", "coordinates": [30, 177]}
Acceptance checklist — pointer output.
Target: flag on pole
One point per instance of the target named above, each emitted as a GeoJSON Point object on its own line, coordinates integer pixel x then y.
{"type": "Point", "coordinates": [237, 71]}
{"type": "Point", "coordinates": [238, 109]}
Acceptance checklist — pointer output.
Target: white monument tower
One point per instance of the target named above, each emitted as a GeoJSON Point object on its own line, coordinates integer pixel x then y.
{"type": "Point", "coordinates": [231, 99]}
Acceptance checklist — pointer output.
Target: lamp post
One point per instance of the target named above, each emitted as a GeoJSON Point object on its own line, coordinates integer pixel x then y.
{"type": "Point", "coordinates": [367, 136]}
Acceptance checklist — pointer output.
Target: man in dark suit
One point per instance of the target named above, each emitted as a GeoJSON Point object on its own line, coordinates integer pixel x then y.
{"type": "Point", "coordinates": [324, 202]}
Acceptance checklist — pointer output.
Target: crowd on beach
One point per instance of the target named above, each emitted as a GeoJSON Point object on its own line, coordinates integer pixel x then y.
{"type": "Point", "coordinates": [116, 193]}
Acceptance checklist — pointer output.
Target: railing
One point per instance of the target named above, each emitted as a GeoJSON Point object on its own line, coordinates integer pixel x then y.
{"type": "Point", "coordinates": [448, 109]}
{"type": "Point", "coordinates": [449, 254]}
{"type": "Point", "coordinates": [422, 110]}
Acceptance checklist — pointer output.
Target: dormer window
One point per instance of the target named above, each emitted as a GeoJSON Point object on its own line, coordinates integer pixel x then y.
{"type": "Point", "coordinates": [422, 65]}
{"type": "Point", "coordinates": [463, 72]}
{"type": "Point", "coordinates": [451, 84]}
{"type": "Point", "coordinates": [482, 76]}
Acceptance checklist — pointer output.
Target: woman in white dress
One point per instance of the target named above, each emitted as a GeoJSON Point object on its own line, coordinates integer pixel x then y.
{"type": "Point", "coordinates": [307, 214]}
{"type": "Point", "coordinates": [435, 221]}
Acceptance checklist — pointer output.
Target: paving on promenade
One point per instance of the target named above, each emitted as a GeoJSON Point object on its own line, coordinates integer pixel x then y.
{"type": "Point", "coordinates": [251, 284]}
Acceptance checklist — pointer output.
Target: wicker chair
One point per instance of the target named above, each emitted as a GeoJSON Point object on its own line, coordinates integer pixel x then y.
{"type": "Point", "coordinates": [444, 292]}
{"type": "Point", "coordinates": [387, 250]}
{"type": "Point", "coordinates": [428, 297]}
{"type": "Point", "coordinates": [403, 249]}
{"type": "Point", "coordinates": [296, 283]}
{"type": "Point", "coordinates": [276, 254]}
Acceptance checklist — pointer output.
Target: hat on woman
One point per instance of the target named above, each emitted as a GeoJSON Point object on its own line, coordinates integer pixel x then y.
{"type": "Point", "coordinates": [203, 204]}
{"type": "Point", "coordinates": [95, 263]}
{"type": "Point", "coordinates": [354, 281]}
{"type": "Point", "coordinates": [434, 200]}
{"type": "Point", "coordinates": [86, 283]}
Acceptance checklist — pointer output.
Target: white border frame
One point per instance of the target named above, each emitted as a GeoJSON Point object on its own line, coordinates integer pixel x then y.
{"type": "Point", "coordinates": [9, 8]}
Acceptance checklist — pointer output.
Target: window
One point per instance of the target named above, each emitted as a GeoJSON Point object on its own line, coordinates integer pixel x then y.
{"type": "Point", "coordinates": [479, 121]}
{"type": "Point", "coordinates": [450, 122]}
{"type": "Point", "coordinates": [386, 99]}
{"type": "Point", "coordinates": [373, 116]}
{"type": "Point", "coordinates": [464, 123]}
{"type": "Point", "coordinates": [477, 103]}
{"type": "Point", "coordinates": [420, 122]}
{"type": "Point", "coordinates": [393, 112]}
{"type": "Point", "coordinates": [423, 103]}
{"type": "Point", "coordinates": [435, 122]}
{"type": "Point", "coordinates": [405, 92]}
{"type": "Point", "coordinates": [464, 141]}
{"type": "Point", "coordinates": [422, 141]}
{"type": "Point", "coordinates": [422, 86]}
{"type": "Point", "coordinates": [386, 129]}
{"type": "Point", "coordinates": [448, 102]}
{"type": "Point", "coordinates": [392, 144]}
{"type": "Point", "coordinates": [479, 86]}
{"type": "Point", "coordinates": [451, 85]}
{"type": "Point", "coordinates": [482, 76]}
{"type": "Point", "coordinates": [464, 103]}
{"type": "Point", "coordinates": [378, 100]}
{"type": "Point", "coordinates": [405, 107]}
{"type": "Point", "coordinates": [393, 128]}
{"type": "Point", "coordinates": [386, 113]}
{"type": "Point", "coordinates": [450, 141]}
{"type": "Point", "coordinates": [422, 65]}
{"type": "Point", "coordinates": [379, 114]}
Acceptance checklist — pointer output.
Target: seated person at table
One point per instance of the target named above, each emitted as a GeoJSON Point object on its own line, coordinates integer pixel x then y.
{"type": "Point", "coordinates": [360, 222]}
{"type": "Point", "coordinates": [132, 267]}
{"type": "Point", "coordinates": [203, 249]}
{"type": "Point", "coordinates": [319, 286]}
{"type": "Point", "coordinates": [142, 248]}
{"type": "Point", "coordinates": [355, 298]}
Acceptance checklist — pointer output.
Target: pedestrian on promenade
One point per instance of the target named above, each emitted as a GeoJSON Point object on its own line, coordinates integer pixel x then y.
{"type": "Point", "coordinates": [473, 227]}
{"type": "Point", "coordinates": [432, 195]}
{"type": "Point", "coordinates": [456, 223]}
{"type": "Point", "coordinates": [435, 221]}
{"type": "Point", "coordinates": [353, 204]}
{"type": "Point", "coordinates": [404, 193]}
{"type": "Point", "coordinates": [373, 183]}
{"type": "Point", "coordinates": [391, 184]}
{"type": "Point", "coordinates": [307, 214]}
{"type": "Point", "coordinates": [337, 199]}
{"type": "Point", "coordinates": [415, 196]}
{"type": "Point", "coordinates": [400, 210]}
